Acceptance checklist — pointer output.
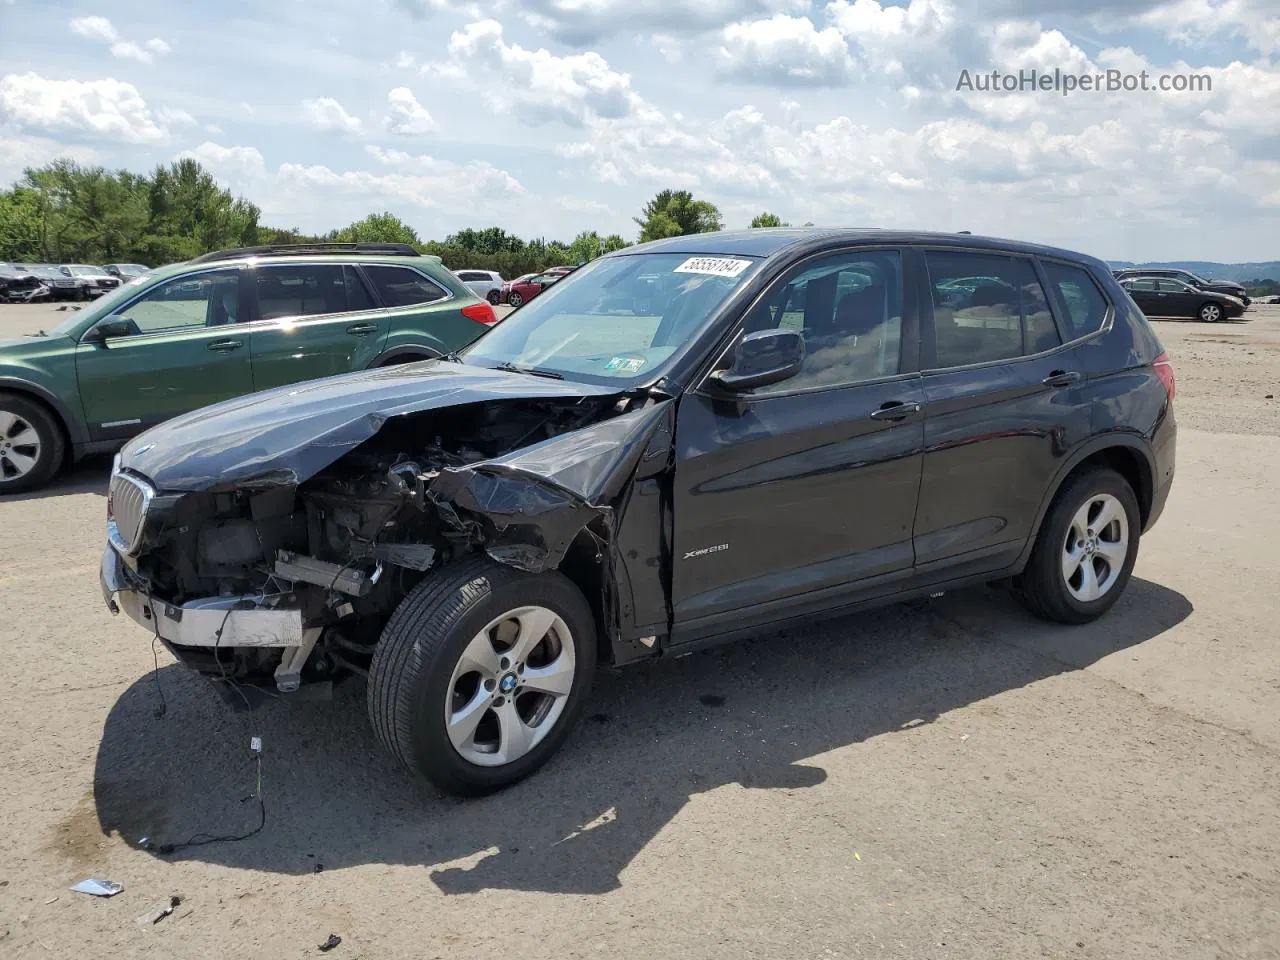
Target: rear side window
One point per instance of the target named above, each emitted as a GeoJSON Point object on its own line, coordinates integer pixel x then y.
{"type": "Point", "coordinates": [1085, 306]}
{"type": "Point", "coordinates": [300, 290]}
{"type": "Point", "coordinates": [402, 287]}
{"type": "Point", "coordinates": [987, 307]}
{"type": "Point", "coordinates": [358, 296]}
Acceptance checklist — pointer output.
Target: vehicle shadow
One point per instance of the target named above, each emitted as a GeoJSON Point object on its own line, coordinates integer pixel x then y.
{"type": "Point", "coordinates": [90, 475]}
{"type": "Point", "coordinates": [653, 736]}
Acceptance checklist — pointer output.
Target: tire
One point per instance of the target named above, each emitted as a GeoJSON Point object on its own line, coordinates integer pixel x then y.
{"type": "Point", "coordinates": [1210, 312]}
{"type": "Point", "coordinates": [22, 419]}
{"type": "Point", "coordinates": [1044, 587]}
{"type": "Point", "coordinates": [493, 297]}
{"type": "Point", "coordinates": [515, 299]}
{"type": "Point", "coordinates": [418, 676]}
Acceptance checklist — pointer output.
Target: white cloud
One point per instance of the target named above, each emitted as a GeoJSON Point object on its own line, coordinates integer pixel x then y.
{"type": "Point", "coordinates": [213, 128]}
{"type": "Point", "coordinates": [407, 116]}
{"type": "Point", "coordinates": [581, 22]}
{"type": "Point", "coordinates": [329, 116]}
{"type": "Point", "coordinates": [19, 152]}
{"type": "Point", "coordinates": [106, 109]}
{"type": "Point", "coordinates": [785, 51]}
{"type": "Point", "coordinates": [538, 84]}
{"type": "Point", "coordinates": [104, 31]}
{"type": "Point", "coordinates": [1257, 22]}
{"type": "Point", "coordinates": [175, 117]}
{"type": "Point", "coordinates": [237, 163]}
{"type": "Point", "coordinates": [94, 28]}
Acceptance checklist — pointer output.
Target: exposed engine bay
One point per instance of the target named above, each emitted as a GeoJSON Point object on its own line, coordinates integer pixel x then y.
{"type": "Point", "coordinates": [346, 545]}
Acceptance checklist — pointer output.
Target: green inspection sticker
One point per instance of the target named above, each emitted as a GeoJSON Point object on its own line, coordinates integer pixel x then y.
{"type": "Point", "coordinates": [625, 364]}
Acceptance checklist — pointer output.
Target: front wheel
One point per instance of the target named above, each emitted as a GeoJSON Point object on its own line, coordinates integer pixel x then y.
{"type": "Point", "coordinates": [481, 674]}
{"type": "Point", "coordinates": [1085, 551]}
{"type": "Point", "coordinates": [1210, 313]}
{"type": "Point", "coordinates": [31, 444]}
{"type": "Point", "coordinates": [515, 299]}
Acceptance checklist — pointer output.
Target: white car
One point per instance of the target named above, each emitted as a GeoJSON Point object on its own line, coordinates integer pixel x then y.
{"type": "Point", "coordinates": [483, 283]}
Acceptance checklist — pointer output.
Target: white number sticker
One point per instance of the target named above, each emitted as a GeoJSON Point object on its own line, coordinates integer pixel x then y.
{"type": "Point", "coordinates": [713, 266]}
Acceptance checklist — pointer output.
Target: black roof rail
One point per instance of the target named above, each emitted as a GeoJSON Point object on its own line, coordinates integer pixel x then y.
{"type": "Point", "coordinates": [308, 249]}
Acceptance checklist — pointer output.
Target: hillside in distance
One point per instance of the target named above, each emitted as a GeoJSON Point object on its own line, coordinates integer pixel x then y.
{"type": "Point", "coordinates": [1239, 272]}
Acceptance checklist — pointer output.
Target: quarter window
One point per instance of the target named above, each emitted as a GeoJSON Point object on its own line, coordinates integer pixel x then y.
{"type": "Point", "coordinates": [987, 307]}
{"type": "Point", "coordinates": [848, 308]}
{"type": "Point", "coordinates": [402, 287]}
{"type": "Point", "coordinates": [1086, 308]}
{"type": "Point", "coordinates": [205, 300]}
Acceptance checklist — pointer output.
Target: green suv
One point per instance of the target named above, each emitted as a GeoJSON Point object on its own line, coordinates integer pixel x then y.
{"type": "Point", "coordinates": [216, 327]}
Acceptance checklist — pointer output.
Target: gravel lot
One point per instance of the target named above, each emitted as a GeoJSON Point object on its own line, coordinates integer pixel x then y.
{"type": "Point", "coordinates": [945, 779]}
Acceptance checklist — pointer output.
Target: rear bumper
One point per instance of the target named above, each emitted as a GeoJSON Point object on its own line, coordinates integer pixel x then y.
{"type": "Point", "coordinates": [225, 622]}
{"type": "Point", "coordinates": [1164, 448]}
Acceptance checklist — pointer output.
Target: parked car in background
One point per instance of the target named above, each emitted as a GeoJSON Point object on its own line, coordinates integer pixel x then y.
{"type": "Point", "coordinates": [97, 281]}
{"type": "Point", "coordinates": [1229, 287]}
{"type": "Point", "coordinates": [1167, 297]}
{"type": "Point", "coordinates": [522, 291]}
{"type": "Point", "coordinates": [61, 285]}
{"type": "Point", "coordinates": [581, 487]}
{"type": "Point", "coordinates": [504, 294]}
{"type": "Point", "coordinates": [125, 271]}
{"type": "Point", "coordinates": [20, 286]}
{"type": "Point", "coordinates": [1274, 298]}
{"type": "Point", "coordinates": [216, 327]}
{"type": "Point", "coordinates": [559, 271]}
{"type": "Point", "coordinates": [485, 284]}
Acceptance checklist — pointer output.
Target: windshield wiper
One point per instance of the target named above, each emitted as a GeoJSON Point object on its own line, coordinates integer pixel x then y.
{"type": "Point", "coordinates": [532, 371]}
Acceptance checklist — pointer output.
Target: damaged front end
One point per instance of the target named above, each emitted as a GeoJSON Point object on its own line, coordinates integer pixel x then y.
{"type": "Point", "coordinates": [281, 572]}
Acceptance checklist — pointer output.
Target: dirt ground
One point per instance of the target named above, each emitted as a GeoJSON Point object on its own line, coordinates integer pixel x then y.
{"type": "Point", "coordinates": [945, 779]}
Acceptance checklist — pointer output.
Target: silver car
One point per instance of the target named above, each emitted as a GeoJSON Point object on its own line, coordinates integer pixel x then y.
{"type": "Point", "coordinates": [483, 283]}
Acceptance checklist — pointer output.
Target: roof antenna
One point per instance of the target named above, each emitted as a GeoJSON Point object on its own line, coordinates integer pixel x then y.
{"type": "Point", "coordinates": [969, 232]}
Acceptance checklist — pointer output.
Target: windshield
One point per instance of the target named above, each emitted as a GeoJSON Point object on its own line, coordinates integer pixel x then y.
{"type": "Point", "coordinates": [617, 319]}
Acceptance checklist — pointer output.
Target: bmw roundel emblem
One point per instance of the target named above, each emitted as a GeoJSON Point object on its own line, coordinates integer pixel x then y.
{"type": "Point", "coordinates": [507, 683]}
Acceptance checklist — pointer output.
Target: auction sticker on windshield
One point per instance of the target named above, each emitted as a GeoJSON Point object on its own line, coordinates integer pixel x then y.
{"type": "Point", "coordinates": [713, 266]}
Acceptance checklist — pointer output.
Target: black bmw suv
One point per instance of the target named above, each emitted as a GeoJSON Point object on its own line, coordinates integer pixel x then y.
{"type": "Point", "coordinates": [790, 423]}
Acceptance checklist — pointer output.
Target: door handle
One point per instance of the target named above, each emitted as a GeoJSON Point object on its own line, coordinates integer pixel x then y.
{"type": "Point", "coordinates": [362, 329]}
{"type": "Point", "coordinates": [896, 410]}
{"type": "Point", "coordinates": [225, 346]}
{"type": "Point", "coordinates": [1061, 378]}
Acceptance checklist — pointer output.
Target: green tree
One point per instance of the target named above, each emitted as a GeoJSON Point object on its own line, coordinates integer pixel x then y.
{"type": "Point", "coordinates": [376, 228]}
{"type": "Point", "coordinates": [674, 213]}
{"type": "Point", "coordinates": [586, 246]}
{"type": "Point", "coordinates": [490, 240]}
{"type": "Point", "coordinates": [20, 225]}
{"type": "Point", "coordinates": [191, 214]}
{"type": "Point", "coordinates": [767, 219]}
{"type": "Point", "coordinates": [614, 242]}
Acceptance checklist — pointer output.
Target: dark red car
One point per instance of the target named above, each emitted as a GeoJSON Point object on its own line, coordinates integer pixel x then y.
{"type": "Point", "coordinates": [521, 291]}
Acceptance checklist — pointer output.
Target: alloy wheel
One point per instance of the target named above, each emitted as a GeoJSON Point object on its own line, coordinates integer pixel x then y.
{"type": "Point", "coordinates": [1095, 548]}
{"type": "Point", "coordinates": [19, 446]}
{"type": "Point", "coordinates": [1210, 313]}
{"type": "Point", "coordinates": [510, 686]}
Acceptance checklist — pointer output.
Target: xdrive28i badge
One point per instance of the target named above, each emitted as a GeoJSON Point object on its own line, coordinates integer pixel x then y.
{"type": "Point", "coordinates": [693, 554]}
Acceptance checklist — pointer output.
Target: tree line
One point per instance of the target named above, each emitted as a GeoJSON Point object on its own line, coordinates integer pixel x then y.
{"type": "Point", "coordinates": [68, 213]}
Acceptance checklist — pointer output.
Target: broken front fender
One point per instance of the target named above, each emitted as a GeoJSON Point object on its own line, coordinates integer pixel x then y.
{"type": "Point", "coordinates": [526, 508]}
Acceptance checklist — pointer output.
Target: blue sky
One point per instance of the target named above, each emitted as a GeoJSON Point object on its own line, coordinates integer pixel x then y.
{"type": "Point", "coordinates": [552, 116]}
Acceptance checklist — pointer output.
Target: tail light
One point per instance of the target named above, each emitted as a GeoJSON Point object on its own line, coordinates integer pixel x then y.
{"type": "Point", "coordinates": [480, 313]}
{"type": "Point", "coordinates": [1163, 367]}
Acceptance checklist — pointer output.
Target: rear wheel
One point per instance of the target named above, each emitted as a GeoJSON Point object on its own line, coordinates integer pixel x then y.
{"type": "Point", "coordinates": [1210, 312]}
{"type": "Point", "coordinates": [481, 674]}
{"type": "Point", "coordinates": [31, 444]}
{"type": "Point", "coordinates": [493, 297]}
{"type": "Point", "coordinates": [1085, 550]}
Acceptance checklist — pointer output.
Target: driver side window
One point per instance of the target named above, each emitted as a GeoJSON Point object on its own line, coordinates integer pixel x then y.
{"type": "Point", "coordinates": [848, 310]}
{"type": "Point", "coordinates": [205, 300]}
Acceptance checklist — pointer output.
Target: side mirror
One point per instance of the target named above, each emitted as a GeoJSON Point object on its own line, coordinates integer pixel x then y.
{"type": "Point", "coordinates": [763, 358]}
{"type": "Point", "coordinates": [108, 330]}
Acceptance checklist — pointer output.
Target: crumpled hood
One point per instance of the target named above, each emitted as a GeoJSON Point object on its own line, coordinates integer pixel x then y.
{"type": "Point", "coordinates": [289, 434]}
